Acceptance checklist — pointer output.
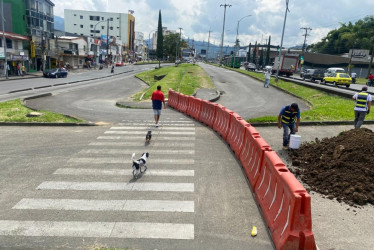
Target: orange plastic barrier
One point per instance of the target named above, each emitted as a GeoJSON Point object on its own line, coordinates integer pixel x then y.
{"type": "Point", "coordinates": [252, 154]}
{"type": "Point", "coordinates": [235, 136]}
{"type": "Point", "coordinates": [173, 98]}
{"type": "Point", "coordinates": [183, 103]}
{"type": "Point", "coordinates": [208, 112]}
{"type": "Point", "coordinates": [222, 121]}
{"type": "Point", "coordinates": [285, 205]}
{"type": "Point", "coordinates": [194, 107]}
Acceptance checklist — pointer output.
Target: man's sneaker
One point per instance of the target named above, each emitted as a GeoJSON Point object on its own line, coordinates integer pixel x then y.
{"type": "Point", "coordinates": [285, 148]}
{"type": "Point", "coordinates": [156, 125]}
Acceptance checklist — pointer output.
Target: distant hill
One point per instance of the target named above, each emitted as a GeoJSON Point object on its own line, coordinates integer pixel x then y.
{"type": "Point", "coordinates": [59, 23]}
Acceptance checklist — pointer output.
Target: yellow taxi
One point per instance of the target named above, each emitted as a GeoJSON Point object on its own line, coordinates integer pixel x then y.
{"type": "Point", "coordinates": [338, 79]}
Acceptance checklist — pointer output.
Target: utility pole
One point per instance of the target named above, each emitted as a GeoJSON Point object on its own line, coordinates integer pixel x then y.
{"type": "Point", "coordinates": [107, 41]}
{"type": "Point", "coordinates": [223, 31]}
{"type": "Point", "coordinates": [4, 40]}
{"type": "Point", "coordinates": [305, 35]}
{"type": "Point", "coordinates": [304, 45]}
{"type": "Point", "coordinates": [281, 45]}
{"type": "Point", "coordinates": [180, 37]}
{"type": "Point", "coordinates": [207, 50]}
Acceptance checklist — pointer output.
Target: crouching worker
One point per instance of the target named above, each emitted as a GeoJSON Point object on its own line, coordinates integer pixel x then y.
{"type": "Point", "coordinates": [289, 119]}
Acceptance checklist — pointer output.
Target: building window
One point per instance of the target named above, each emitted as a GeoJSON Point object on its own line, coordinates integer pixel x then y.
{"type": "Point", "coordinates": [91, 26]}
{"type": "Point", "coordinates": [102, 27]}
{"type": "Point", "coordinates": [75, 14]}
{"type": "Point", "coordinates": [111, 19]}
{"type": "Point", "coordinates": [75, 24]}
{"type": "Point", "coordinates": [81, 17]}
{"type": "Point", "coordinates": [81, 25]}
{"type": "Point", "coordinates": [102, 18]}
{"type": "Point", "coordinates": [1, 42]}
{"type": "Point", "coordinates": [8, 43]}
{"type": "Point", "coordinates": [94, 18]}
{"type": "Point", "coordinates": [111, 28]}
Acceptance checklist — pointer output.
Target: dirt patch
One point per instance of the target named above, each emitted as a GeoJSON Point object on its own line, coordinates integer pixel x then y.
{"type": "Point", "coordinates": [340, 167]}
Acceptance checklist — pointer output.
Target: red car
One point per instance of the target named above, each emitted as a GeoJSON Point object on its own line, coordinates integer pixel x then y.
{"type": "Point", "coordinates": [119, 64]}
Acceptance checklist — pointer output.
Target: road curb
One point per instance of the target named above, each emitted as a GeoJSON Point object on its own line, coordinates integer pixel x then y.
{"type": "Point", "coordinates": [317, 123]}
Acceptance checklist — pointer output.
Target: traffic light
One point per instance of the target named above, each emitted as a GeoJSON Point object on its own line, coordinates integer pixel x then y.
{"type": "Point", "coordinates": [278, 48]}
{"type": "Point", "coordinates": [301, 58]}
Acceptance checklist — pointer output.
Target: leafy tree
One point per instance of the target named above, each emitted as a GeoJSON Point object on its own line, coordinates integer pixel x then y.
{"type": "Point", "coordinates": [261, 60]}
{"type": "Point", "coordinates": [160, 40]}
{"type": "Point", "coordinates": [359, 35]}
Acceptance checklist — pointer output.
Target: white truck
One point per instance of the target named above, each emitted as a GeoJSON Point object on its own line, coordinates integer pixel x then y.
{"type": "Point", "coordinates": [288, 64]}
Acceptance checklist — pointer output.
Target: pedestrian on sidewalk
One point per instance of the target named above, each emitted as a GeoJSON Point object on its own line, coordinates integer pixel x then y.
{"type": "Point", "coordinates": [23, 69]}
{"type": "Point", "coordinates": [267, 78]}
{"type": "Point", "coordinates": [157, 99]}
{"type": "Point", "coordinates": [112, 70]}
{"type": "Point", "coordinates": [18, 70]}
{"type": "Point", "coordinates": [371, 79]}
{"type": "Point", "coordinates": [289, 119]}
{"type": "Point", "coordinates": [362, 107]}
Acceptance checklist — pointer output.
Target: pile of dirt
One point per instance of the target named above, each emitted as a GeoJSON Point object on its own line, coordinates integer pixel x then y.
{"type": "Point", "coordinates": [340, 167]}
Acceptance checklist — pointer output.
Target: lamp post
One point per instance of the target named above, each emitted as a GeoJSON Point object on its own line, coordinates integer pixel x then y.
{"type": "Point", "coordinates": [95, 52]}
{"type": "Point", "coordinates": [280, 49]}
{"type": "Point", "coordinates": [237, 34]}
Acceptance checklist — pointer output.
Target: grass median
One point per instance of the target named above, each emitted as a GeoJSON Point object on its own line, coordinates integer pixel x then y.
{"type": "Point", "coordinates": [324, 106]}
{"type": "Point", "coordinates": [186, 79]}
{"type": "Point", "coordinates": [15, 111]}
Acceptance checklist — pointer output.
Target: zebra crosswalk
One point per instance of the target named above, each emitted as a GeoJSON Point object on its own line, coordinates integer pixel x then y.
{"type": "Point", "coordinates": [104, 166]}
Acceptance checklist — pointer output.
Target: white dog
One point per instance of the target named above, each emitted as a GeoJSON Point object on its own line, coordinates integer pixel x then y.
{"type": "Point", "coordinates": [138, 164]}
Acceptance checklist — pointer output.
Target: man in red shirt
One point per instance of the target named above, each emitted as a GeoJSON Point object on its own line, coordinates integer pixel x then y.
{"type": "Point", "coordinates": [157, 100]}
{"type": "Point", "coordinates": [371, 78]}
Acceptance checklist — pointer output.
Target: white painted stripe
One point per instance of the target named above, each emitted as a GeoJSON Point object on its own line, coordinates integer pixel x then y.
{"type": "Point", "coordinates": [142, 138]}
{"type": "Point", "coordinates": [146, 128]}
{"type": "Point", "coordinates": [117, 186]}
{"type": "Point", "coordinates": [141, 144]}
{"type": "Point", "coordinates": [97, 229]}
{"type": "Point", "coordinates": [129, 152]}
{"type": "Point", "coordinates": [107, 205]}
{"type": "Point", "coordinates": [127, 160]}
{"type": "Point", "coordinates": [143, 133]}
{"type": "Point", "coordinates": [161, 124]}
{"type": "Point", "coordinates": [120, 172]}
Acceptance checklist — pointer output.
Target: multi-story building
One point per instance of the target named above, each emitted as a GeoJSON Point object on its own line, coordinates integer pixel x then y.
{"type": "Point", "coordinates": [38, 16]}
{"type": "Point", "coordinates": [165, 32]}
{"type": "Point", "coordinates": [139, 46]}
{"type": "Point", "coordinates": [114, 26]}
{"type": "Point", "coordinates": [16, 54]}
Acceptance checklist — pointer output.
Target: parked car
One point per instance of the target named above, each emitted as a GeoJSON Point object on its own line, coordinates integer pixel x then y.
{"type": "Point", "coordinates": [55, 73]}
{"type": "Point", "coordinates": [119, 64]}
{"type": "Point", "coordinates": [338, 79]}
{"type": "Point", "coordinates": [250, 66]}
{"type": "Point", "coordinates": [313, 74]}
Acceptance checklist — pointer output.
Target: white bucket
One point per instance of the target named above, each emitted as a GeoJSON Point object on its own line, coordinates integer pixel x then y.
{"type": "Point", "coordinates": [295, 141]}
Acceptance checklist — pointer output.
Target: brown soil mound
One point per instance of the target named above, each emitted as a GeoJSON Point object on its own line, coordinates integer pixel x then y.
{"type": "Point", "coordinates": [340, 167]}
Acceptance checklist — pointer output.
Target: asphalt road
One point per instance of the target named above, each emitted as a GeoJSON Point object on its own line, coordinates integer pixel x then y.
{"type": "Point", "coordinates": [71, 187]}
{"type": "Point", "coordinates": [247, 96]}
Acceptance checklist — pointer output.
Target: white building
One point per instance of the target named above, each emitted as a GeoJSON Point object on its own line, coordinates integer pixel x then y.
{"type": "Point", "coordinates": [139, 45]}
{"type": "Point", "coordinates": [95, 24]}
{"type": "Point", "coordinates": [165, 32]}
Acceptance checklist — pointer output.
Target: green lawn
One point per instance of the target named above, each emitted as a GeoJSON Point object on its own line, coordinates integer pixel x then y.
{"type": "Point", "coordinates": [323, 106]}
{"type": "Point", "coordinates": [14, 111]}
{"type": "Point", "coordinates": [186, 79]}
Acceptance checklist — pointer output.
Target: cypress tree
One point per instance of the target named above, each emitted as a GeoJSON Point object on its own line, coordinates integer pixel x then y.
{"type": "Point", "coordinates": [255, 54]}
{"type": "Point", "coordinates": [249, 53]}
{"type": "Point", "coordinates": [267, 60]}
{"type": "Point", "coordinates": [160, 40]}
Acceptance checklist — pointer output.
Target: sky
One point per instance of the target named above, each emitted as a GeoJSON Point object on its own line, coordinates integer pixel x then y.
{"type": "Point", "coordinates": [198, 17]}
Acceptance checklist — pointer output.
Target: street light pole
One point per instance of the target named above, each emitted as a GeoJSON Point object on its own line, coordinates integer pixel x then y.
{"type": "Point", "coordinates": [223, 31]}
{"type": "Point", "coordinates": [4, 40]}
{"type": "Point", "coordinates": [95, 52]}
{"type": "Point", "coordinates": [237, 34]}
{"type": "Point", "coordinates": [281, 45]}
